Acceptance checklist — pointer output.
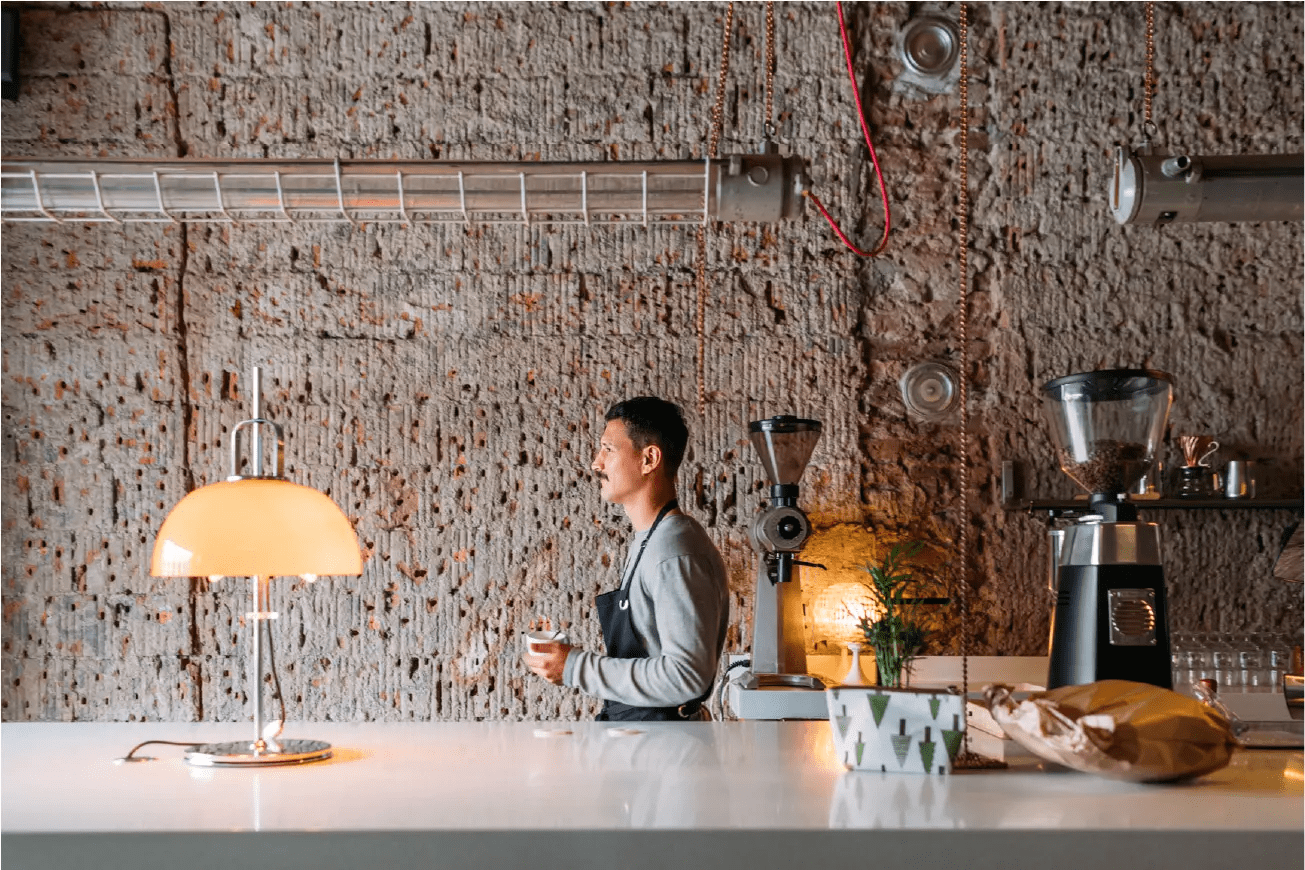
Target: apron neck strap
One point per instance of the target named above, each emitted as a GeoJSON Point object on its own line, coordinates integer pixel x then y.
{"type": "Point", "coordinates": [671, 505]}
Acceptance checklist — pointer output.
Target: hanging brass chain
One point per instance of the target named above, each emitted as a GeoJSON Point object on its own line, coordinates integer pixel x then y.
{"type": "Point", "coordinates": [1149, 128]}
{"type": "Point", "coordinates": [700, 319]}
{"type": "Point", "coordinates": [718, 109]}
{"type": "Point", "coordinates": [963, 227]}
{"type": "Point", "coordinates": [965, 759]}
{"type": "Point", "coordinates": [713, 145]}
{"type": "Point", "coordinates": [770, 127]}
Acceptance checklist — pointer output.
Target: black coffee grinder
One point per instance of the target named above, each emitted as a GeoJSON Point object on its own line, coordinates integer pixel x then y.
{"type": "Point", "coordinates": [1110, 620]}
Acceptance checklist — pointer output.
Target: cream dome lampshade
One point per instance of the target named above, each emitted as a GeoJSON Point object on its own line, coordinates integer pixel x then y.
{"type": "Point", "coordinates": [257, 526]}
{"type": "Point", "coordinates": [267, 526]}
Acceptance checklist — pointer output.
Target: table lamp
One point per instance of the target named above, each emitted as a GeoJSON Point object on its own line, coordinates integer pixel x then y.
{"type": "Point", "coordinates": [257, 526]}
{"type": "Point", "coordinates": [838, 609]}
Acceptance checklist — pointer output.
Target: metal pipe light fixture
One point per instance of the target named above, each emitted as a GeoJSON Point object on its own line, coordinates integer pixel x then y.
{"type": "Point", "coordinates": [754, 187]}
{"type": "Point", "coordinates": [1157, 189]}
{"type": "Point", "coordinates": [257, 526]}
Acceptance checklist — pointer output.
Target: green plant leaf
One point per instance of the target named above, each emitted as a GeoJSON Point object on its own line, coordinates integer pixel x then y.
{"type": "Point", "coordinates": [898, 633]}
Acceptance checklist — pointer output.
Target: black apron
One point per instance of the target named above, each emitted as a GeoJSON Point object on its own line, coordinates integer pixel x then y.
{"type": "Point", "coordinates": [622, 643]}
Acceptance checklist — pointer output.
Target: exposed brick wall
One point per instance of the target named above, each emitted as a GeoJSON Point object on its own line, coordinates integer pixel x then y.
{"type": "Point", "coordinates": [446, 386]}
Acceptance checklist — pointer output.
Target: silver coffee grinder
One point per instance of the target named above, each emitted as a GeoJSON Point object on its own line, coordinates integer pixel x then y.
{"type": "Point", "coordinates": [1110, 619]}
{"type": "Point", "coordinates": [778, 686]}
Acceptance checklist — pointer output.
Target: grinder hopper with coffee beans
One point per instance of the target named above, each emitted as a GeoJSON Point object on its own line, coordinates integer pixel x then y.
{"type": "Point", "coordinates": [1110, 619]}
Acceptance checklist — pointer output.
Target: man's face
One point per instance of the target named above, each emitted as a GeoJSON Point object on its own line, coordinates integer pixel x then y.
{"type": "Point", "coordinates": [618, 464]}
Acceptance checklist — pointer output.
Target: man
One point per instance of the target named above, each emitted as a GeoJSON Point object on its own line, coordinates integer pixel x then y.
{"type": "Point", "coordinates": [664, 624]}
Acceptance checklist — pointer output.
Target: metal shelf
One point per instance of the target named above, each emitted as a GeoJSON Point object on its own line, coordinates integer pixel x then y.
{"type": "Point", "coordinates": [1068, 507]}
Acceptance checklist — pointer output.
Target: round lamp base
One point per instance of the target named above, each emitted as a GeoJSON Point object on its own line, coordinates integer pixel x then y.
{"type": "Point", "coordinates": [241, 753]}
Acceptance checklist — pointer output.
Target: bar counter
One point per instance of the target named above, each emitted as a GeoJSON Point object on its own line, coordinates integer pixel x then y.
{"type": "Point", "coordinates": [727, 794]}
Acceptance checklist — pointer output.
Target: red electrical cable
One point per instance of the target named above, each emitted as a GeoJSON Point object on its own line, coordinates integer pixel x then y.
{"type": "Point", "coordinates": [874, 158]}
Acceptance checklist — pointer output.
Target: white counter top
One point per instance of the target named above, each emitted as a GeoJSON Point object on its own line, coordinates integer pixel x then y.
{"type": "Point", "coordinates": [473, 793]}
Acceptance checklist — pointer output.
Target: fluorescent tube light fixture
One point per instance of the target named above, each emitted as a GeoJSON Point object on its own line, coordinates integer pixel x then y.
{"type": "Point", "coordinates": [755, 187]}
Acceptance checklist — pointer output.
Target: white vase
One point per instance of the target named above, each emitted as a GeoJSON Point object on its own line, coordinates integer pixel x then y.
{"type": "Point", "coordinates": [896, 730]}
{"type": "Point", "coordinates": [855, 676]}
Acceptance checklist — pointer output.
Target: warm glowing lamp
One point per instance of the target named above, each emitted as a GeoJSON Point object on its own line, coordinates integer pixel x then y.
{"type": "Point", "coordinates": [838, 610]}
{"type": "Point", "coordinates": [256, 526]}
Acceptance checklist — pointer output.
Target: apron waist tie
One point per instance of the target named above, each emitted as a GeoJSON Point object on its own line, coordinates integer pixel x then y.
{"type": "Point", "coordinates": [615, 711]}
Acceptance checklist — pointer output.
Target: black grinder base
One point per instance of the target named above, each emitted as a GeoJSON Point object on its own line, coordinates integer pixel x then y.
{"type": "Point", "coordinates": [1110, 623]}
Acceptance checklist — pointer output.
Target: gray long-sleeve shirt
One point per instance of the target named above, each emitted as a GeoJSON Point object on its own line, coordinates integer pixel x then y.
{"type": "Point", "coordinates": [679, 609]}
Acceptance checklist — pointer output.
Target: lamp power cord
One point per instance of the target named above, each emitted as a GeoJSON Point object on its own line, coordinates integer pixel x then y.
{"type": "Point", "coordinates": [133, 757]}
{"type": "Point", "coordinates": [268, 732]}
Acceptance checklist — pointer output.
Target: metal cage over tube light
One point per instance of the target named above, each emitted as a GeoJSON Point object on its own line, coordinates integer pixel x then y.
{"type": "Point", "coordinates": [755, 187]}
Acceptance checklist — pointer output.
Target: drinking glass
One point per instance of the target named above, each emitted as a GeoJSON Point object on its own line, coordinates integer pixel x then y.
{"type": "Point", "coordinates": [1180, 668]}
{"type": "Point", "coordinates": [1202, 655]}
{"type": "Point", "coordinates": [1280, 646]}
{"type": "Point", "coordinates": [1227, 660]}
{"type": "Point", "coordinates": [1253, 656]}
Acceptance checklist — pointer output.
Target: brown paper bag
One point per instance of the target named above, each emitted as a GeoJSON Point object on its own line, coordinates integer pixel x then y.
{"type": "Point", "coordinates": [1117, 729]}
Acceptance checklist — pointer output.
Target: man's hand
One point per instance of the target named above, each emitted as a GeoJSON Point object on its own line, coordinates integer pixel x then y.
{"type": "Point", "coordinates": [548, 662]}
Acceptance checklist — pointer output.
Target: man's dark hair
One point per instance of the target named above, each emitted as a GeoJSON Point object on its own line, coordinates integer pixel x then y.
{"type": "Point", "coordinates": [649, 420]}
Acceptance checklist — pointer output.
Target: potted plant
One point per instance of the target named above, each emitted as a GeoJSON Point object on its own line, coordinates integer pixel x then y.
{"type": "Point", "coordinates": [890, 727]}
{"type": "Point", "coordinates": [898, 627]}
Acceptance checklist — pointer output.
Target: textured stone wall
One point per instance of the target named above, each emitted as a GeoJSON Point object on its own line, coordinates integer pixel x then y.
{"type": "Point", "coordinates": [446, 385]}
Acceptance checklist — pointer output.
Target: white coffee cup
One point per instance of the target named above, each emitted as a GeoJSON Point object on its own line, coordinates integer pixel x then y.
{"type": "Point", "coordinates": [537, 640]}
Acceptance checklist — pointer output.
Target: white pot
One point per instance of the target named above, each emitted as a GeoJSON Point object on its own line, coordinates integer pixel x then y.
{"type": "Point", "coordinates": [896, 730]}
